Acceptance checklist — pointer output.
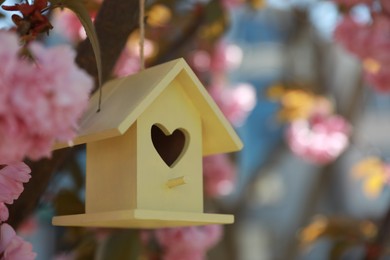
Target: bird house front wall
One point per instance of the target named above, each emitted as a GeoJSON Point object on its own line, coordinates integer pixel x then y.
{"type": "Point", "coordinates": [111, 173]}
{"type": "Point", "coordinates": [169, 152]}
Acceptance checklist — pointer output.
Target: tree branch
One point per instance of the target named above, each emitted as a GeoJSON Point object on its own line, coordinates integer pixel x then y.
{"type": "Point", "coordinates": [113, 29]}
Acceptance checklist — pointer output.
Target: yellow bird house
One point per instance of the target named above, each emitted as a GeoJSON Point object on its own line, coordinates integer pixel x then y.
{"type": "Point", "coordinates": [145, 148]}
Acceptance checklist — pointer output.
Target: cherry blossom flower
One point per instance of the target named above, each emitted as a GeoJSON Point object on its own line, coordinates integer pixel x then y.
{"type": "Point", "coordinates": [66, 256]}
{"type": "Point", "coordinates": [12, 178]}
{"type": "Point", "coordinates": [189, 242]}
{"type": "Point", "coordinates": [14, 247]}
{"type": "Point", "coordinates": [219, 175]}
{"type": "Point", "coordinates": [127, 64]}
{"type": "Point", "coordinates": [350, 3]}
{"type": "Point", "coordinates": [66, 23]}
{"type": "Point", "coordinates": [320, 140]}
{"type": "Point", "coordinates": [40, 101]}
{"type": "Point", "coordinates": [377, 76]}
{"type": "Point", "coordinates": [4, 214]}
{"type": "Point", "coordinates": [376, 64]}
{"type": "Point", "coordinates": [225, 57]}
{"type": "Point", "coordinates": [354, 36]}
{"type": "Point", "coordinates": [222, 58]}
{"type": "Point", "coordinates": [371, 43]}
{"type": "Point", "coordinates": [230, 4]}
{"type": "Point", "coordinates": [385, 6]}
{"type": "Point", "coordinates": [235, 102]}
{"type": "Point", "coordinates": [28, 226]}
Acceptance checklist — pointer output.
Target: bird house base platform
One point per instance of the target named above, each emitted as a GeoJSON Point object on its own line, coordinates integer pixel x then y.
{"type": "Point", "coordinates": [139, 218]}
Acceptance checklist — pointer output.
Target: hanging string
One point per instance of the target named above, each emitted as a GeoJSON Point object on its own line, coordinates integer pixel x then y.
{"type": "Point", "coordinates": [142, 32]}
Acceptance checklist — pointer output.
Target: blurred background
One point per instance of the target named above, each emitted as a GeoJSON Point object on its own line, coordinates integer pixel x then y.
{"type": "Point", "coordinates": [312, 179]}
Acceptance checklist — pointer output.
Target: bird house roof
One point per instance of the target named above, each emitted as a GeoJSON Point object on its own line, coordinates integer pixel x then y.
{"type": "Point", "coordinates": [125, 99]}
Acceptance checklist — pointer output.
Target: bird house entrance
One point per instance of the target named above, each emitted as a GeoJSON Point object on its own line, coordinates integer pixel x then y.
{"type": "Point", "coordinates": [170, 147]}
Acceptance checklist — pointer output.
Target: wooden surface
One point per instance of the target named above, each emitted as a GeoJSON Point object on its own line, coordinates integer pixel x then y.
{"type": "Point", "coordinates": [142, 219]}
{"type": "Point", "coordinates": [111, 182]}
{"type": "Point", "coordinates": [170, 111]}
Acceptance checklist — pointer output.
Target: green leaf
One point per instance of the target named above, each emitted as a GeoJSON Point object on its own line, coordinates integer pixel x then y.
{"type": "Point", "coordinates": [79, 8]}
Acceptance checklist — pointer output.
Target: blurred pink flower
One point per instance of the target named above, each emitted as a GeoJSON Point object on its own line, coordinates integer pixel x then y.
{"type": "Point", "coordinates": [379, 79]}
{"type": "Point", "coordinates": [230, 4]}
{"type": "Point", "coordinates": [379, 39]}
{"type": "Point", "coordinates": [319, 140]}
{"type": "Point", "coordinates": [66, 256]}
{"type": "Point", "coordinates": [222, 58]}
{"type": "Point", "coordinates": [188, 242]}
{"type": "Point", "coordinates": [385, 6]}
{"type": "Point", "coordinates": [67, 24]}
{"type": "Point", "coordinates": [40, 101]}
{"type": "Point", "coordinates": [225, 57]}
{"type": "Point", "coordinates": [12, 178]}
{"type": "Point", "coordinates": [354, 36]}
{"type": "Point", "coordinates": [377, 62]}
{"type": "Point", "coordinates": [14, 247]}
{"type": "Point", "coordinates": [4, 214]}
{"type": "Point", "coordinates": [371, 43]}
{"type": "Point", "coordinates": [200, 60]}
{"type": "Point", "coordinates": [28, 226]}
{"type": "Point", "coordinates": [236, 102]}
{"type": "Point", "coordinates": [127, 64]}
{"type": "Point", "coordinates": [350, 3]}
{"type": "Point", "coordinates": [219, 175]}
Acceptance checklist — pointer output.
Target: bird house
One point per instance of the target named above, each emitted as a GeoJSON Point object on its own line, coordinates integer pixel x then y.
{"type": "Point", "coordinates": [145, 149]}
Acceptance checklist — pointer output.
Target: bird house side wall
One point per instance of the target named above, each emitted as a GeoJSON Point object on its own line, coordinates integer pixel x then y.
{"type": "Point", "coordinates": [111, 173]}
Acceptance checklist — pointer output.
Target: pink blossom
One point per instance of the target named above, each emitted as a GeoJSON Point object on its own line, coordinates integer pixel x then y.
{"type": "Point", "coordinates": [353, 35]}
{"type": "Point", "coordinates": [219, 175]}
{"type": "Point", "coordinates": [12, 178]}
{"type": "Point", "coordinates": [41, 101]}
{"type": "Point", "coordinates": [222, 58]}
{"type": "Point", "coordinates": [379, 39]}
{"type": "Point", "coordinates": [377, 61]}
{"type": "Point", "coordinates": [225, 57]}
{"type": "Point", "coordinates": [14, 247]}
{"type": "Point", "coordinates": [236, 102]}
{"type": "Point", "coordinates": [385, 6]}
{"type": "Point", "coordinates": [127, 64]}
{"type": "Point", "coordinates": [379, 79]}
{"type": "Point", "coordinates": [230, 4]}
{"type": "Point", "coordinates": [350, 3]}
{"type": "Point", "coordinates": [28, 226]}
{"type": "Point", "coordinates": [320, 140]}
{"type": "Point", "coordinates": [4, 214]}
{"type": "Point", "coordinates": [66, 256]}
{"type": "Point", "coordinates": [189, 242]}
{"type": "Point", "coordinates": [371, 43]}
{"type": "Point", "coordinates": [200, 60]}
{"type": "Point", "coordinates": [67, 24]}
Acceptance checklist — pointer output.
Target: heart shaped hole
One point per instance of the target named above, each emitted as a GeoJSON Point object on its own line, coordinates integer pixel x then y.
{"type": "Point", "coordinates": [170, 147]}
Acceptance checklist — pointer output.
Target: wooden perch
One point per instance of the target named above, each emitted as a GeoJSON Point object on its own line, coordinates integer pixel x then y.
{"type": "Point", "coordinates": [172, 183]}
